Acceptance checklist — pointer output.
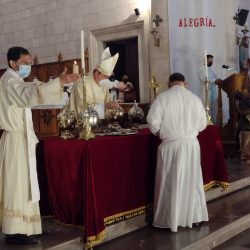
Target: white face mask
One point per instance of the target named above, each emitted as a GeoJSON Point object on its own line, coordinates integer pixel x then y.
{"type": "Point", "coordinates": [24, 70]}
{"type": "Point", "coordinates": [103, 82]}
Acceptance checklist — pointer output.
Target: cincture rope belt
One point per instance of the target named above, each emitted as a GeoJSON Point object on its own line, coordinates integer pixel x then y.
{"type": "Point", "coordinates": [176, 138]}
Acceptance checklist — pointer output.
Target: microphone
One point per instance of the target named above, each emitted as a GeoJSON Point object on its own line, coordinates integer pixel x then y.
{"type": "Point", "coordinates": [228, 68]}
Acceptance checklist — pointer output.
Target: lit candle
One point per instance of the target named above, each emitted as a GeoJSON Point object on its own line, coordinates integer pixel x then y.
{"type": "Point", "coordinates": [82, 51]}
{"type": "Point", "coordinates": [154, 26]}
{"type": "Point", "coordinates": [206, 73]}
{"type": "Point", "coordinates": [75, 68]}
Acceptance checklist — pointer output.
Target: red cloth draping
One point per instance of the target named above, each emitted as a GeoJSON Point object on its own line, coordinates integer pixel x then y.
{"type": "Point", "coordinates": [91, 181]}
{"type": "Point", "coordinates": [212, 158]}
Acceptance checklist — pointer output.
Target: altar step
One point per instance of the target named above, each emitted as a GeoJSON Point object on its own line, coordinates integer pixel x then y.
{"type": "Point", "coordinates": [229, 214]}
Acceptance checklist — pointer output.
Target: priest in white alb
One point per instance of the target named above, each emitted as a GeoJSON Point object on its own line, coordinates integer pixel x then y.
{"type": "Point", "coordinates": [177, 116]}
{"type": "Point", "coordinates": [19, 191]}
{"type": "Point", "coordinates": [97, 95]}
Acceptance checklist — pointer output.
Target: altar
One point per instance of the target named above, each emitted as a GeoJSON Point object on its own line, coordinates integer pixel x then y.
{"type": "Point", "coordinates": [99, 182]}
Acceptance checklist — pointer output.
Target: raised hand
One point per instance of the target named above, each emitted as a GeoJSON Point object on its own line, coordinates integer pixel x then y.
{"type": "Point", "coordinates": [67, 78]}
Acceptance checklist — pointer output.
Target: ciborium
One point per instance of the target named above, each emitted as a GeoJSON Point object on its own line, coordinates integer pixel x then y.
{"type": "Point", "coordinates": [66, 121]}
{"type": "Point", "coordinates": [114, 116]}
{"type": "Point", "coordinates": [136, 115]}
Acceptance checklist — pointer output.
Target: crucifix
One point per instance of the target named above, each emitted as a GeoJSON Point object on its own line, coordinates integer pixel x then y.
{"type": "Point", "coordinates": [157, 20]}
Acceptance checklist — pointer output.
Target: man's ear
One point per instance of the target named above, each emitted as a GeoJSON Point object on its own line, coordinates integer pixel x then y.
{"type": "Point", "coordinates": [12, 64]}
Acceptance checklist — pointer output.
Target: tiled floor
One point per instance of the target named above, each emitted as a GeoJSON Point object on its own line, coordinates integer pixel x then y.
{"type": "Point", "coordinates": [221, 212]}
{"type": "Point", "coordinates": [239, 242]}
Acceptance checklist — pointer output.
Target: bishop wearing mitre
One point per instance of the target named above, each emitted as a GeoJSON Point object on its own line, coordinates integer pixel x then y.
{"type": "Point", "coordinates": [96, 94]}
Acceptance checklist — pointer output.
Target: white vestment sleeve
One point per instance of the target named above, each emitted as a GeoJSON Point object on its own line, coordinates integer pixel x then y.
{"type": "Point", "coordinates": [203, 118]}
{"type": "Point", "coordinates": [99, 108]}
{"type": "Point", "coordinates": [34, 93]}
{"type": "Point", "coordinates": [50, 92]}
{"type": "Point", "coordinates": [155, 116]}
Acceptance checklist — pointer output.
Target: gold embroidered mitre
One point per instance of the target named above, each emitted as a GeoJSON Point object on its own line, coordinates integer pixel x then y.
{"type": "Point", "coordinates": [108, 62]}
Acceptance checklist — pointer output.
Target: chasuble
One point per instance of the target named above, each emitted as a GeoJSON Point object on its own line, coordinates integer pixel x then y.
{"type": "Point", "coordinates": [96, 96]}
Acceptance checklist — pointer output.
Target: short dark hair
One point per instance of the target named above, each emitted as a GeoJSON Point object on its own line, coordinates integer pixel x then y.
{"type": "Point", "coordinates": [14, 53]}
{"type": "Point", "coordinates": [209, 56]}
{"type": "Point", "coordinates": [176, 77]}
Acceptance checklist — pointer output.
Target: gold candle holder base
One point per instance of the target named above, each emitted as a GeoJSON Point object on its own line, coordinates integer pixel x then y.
{"type": "Point", "coordinates": [209, 118]}
{"type": "Point", "coordinates": [86, 134]}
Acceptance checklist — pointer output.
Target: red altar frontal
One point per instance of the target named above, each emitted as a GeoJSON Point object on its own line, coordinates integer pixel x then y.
{"type": "Point", "coordinates": [99, 182]}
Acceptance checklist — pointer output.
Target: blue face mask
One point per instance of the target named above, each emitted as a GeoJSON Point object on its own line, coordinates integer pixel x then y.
{"type": "Point", "coordinates": [24, 70]}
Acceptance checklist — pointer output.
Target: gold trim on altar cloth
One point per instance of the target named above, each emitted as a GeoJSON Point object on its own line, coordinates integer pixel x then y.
{"type": "Point", "coordinates": [95, 239]}
{"type": "Point", "coordinates": [215, 184]}
{"type": "Point", "coordinates": [127, 215]}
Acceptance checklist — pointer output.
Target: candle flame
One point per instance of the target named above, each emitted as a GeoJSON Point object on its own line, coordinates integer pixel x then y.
{"type": "Point", "coordinates": [75, 62]}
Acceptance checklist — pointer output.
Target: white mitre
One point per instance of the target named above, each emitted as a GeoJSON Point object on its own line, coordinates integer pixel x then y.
{"type": "Point", "coordinates": [108, 62]}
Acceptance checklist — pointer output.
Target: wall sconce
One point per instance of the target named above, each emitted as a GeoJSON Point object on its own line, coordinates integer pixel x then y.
{"type": "Point", "coordinates": [155, 24]}
{"type": "Point", "coordinates": [137, 12]}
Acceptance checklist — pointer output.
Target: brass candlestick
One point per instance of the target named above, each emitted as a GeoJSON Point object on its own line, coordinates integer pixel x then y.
{"type": "Point", "coordinates": [209, 119]}
{"type": "Point", "coordinates": [84, 119]}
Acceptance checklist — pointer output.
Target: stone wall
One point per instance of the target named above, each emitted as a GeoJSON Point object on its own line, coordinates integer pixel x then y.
{"type": "Point", "coordinates": [159, 56]}
{"type": "Point", "coordinates": [46, 27]}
